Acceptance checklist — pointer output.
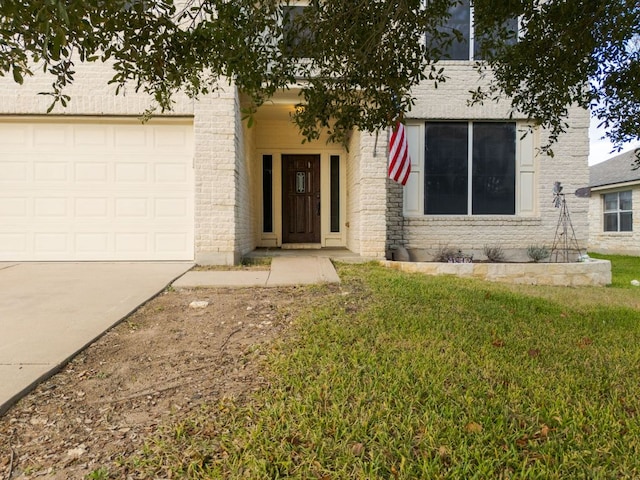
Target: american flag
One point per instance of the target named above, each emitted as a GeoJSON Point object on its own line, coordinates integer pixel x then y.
{"type": "Point", "coordinates": [399, 159]}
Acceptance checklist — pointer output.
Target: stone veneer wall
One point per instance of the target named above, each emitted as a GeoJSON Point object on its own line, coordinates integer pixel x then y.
{"type": "Point", "coordinates": [372, 195]}
{"type": "Point", "coordinates": [353, 193]}
{"type": "Point", "coordinates": [593, 272]}
{"type": "Point", "coordinates": [247, 173]}
{"type": "Point", "coordinates": [395, 219]}
{"type": "Point", "coordinates": [90, 95]}
{"type": "Point", "coordinates": [425, 235]}
{"type": "Point", "coordinates": [216, 179]}
{"type": "Point", "coordinates": [617, 243]}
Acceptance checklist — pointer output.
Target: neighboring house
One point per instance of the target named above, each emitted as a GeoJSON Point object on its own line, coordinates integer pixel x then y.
{"type": "Point", "coordinates": [90, 182]}
{"type": "Point", "coordinates": [615, 196]}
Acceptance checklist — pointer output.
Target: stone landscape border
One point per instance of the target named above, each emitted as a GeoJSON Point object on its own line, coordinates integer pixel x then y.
{"type": "Point", "coordinates": [593, 272]}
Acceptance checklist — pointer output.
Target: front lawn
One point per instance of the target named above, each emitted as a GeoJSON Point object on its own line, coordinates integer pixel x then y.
{"type": "Point", "coordinates": [403, 376]}
{"type": "Point", "coordinates": [624, 268]}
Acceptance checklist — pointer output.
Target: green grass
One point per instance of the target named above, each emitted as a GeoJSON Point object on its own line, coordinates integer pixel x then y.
{"type": "Point", "coordinates": [402, 376]}
{"type": "Point", "coordinates": [624, 268]}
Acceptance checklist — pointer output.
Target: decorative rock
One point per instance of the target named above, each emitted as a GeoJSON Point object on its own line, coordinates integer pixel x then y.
{"type": "Point", "coordinates": [199, 304]}
{"type": "Point", "coordinates": [401, 254]}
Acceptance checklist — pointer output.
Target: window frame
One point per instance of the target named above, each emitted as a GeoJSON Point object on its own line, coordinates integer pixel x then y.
{"type": "Point", "coordinates": [474, 205]}
{"type": "Point", "coordinates": [618, 211]}
{"type": "Point", "coordinates": [527, 171]}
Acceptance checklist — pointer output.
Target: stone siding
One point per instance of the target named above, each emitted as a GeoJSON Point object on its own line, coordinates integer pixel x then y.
{"type": "Point", "coordinates": [353, 194]}
{"type": "Point", "coordinates": [373, 196]}
{"type": "Point", "coordinates": [245, 180]}
{"type": "Point", "coordinates": [90, 95]}
{"type": "Point", "coordinates": [425, 235]}
{"type": "Point", "coordinates": [395, 218]}
{"type": "Point", "coordinates": [216, 174]}
{"type": "Point", "coordinates": [591, 273]}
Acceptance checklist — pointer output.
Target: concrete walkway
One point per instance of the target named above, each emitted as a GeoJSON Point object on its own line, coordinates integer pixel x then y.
{"type": "Point", "coordinates": [291, 270]}
{"type": "Point", "coordinates": [51, 311]}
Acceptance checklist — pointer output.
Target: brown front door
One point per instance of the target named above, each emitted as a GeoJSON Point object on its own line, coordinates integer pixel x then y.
{"type": "Point", "coordinates": [301, 199]}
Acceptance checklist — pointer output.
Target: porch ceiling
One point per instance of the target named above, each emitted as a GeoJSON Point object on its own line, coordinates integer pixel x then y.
{"type": "Point", "coordinates": [278, 112]}
{"type": "Point", "coordinates": [279, 107]}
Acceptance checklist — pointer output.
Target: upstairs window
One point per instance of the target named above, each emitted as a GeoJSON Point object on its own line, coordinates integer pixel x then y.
{"type": "Point", "coordinates": [459, 23]}
{"type": "Point", "coordinates": [136, 5]}
{"type": "Point", "coordinates": [618, 216]}
{"type": "Point", "coordinates": [298, 37]}
{"type": "Point", "coordinates": [467, 46]}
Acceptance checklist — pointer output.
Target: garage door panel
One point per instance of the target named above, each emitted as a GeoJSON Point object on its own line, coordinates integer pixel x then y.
{"type": "Point", "coordinates": [164, 136]}
{"type": "Point", "coordinates": [15, 244]}
{"type": "Point", "coordinates": [91, 244]}
{"type": "Point", "coordinates": [15, 135]}
{"type": "Point", "coordinates": [13, 171]}
{"type": "Point", "coordinates": [130, 200]}
{"type": "Point", "coordinates": [126, 245]}
{"type": "Point", "coordinates": [170, 207]}
{"type": "Point", "coordinates": [94, 208]}
{"type": "Point", "coordinates": [13, 207]}
{"type": "Point", "coordinates": [131, 172]}
{"type": "Point", "coordinates": [51, 136]}
{"type": "Point", "coordinates": [46, 208]}
{"type": "Point", "coordinates": [91, 172]}
{"type": "Point", "coordinates": [170, 172]}
{"type": "Point", "coordinates": [54, 172]}
{"type": "Point", "coordinates": [52, 242]}
{"type": "Point", "coordinates": [170, 242]}
{"type": "Point", "coordinates": [132, 208]}
{"type": "Point", "coordinates": [132, 242]}
{"type": "Point", "coordinates": [91, 136]}
{"type": "Point", "coordinates": [127, 140]}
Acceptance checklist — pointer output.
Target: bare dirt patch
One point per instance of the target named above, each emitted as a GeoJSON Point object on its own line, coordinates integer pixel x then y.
{"type": "Point", "coordinates": [166, 359]}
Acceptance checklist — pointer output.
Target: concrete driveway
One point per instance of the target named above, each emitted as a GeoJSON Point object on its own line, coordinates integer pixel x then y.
{"type": "Point", "coordinates": [51, 311]}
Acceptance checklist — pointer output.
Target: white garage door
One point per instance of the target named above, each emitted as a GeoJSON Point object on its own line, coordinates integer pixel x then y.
{"type": "Point", "coordinates": [95, 189]}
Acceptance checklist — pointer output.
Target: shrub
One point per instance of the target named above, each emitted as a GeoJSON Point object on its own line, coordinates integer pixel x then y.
{"type": "Point", "coordinates": [494, 253]}
{"type": "Point", "coordinates": [451, 255]}
{"type": "Point", "coordinates": [537, 253]}
{"type": "Point", "coordinates": [444, 254]}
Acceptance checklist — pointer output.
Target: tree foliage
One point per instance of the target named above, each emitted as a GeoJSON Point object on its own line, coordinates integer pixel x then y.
{"type": "Point", "coordinates": [355, 61]}
{"type": "Point", "coordinates": [583, 52]}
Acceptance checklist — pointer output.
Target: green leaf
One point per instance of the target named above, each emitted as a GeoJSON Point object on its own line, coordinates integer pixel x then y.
{"type": "Point", "coordinates": [17, 75]}
{"type": "Point", "coordinates": [62, 13]}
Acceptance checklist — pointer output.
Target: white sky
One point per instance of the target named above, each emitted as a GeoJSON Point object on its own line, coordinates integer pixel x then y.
{"type": "Point", "coordinates": [600, 150]}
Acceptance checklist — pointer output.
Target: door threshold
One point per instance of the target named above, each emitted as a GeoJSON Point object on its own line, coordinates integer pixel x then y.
{"type": "Point", "coordinates": [301, 246]}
